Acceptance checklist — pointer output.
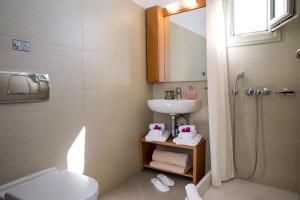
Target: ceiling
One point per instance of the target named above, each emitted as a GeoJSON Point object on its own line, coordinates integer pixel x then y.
{"type": "Point", "coordinates": [193, 21]}
{"type": "Point", "coordinates": [149, 3]}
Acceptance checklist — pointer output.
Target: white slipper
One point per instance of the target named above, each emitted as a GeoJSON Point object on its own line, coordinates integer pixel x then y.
{"type": "Point", "coordinates": [166, 180]}
{"type": "Point", "coordinates": [159, 185]}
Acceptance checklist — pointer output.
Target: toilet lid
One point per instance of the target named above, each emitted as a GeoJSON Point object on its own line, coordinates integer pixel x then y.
{"type": "Point", "coordinates": [63, 185]}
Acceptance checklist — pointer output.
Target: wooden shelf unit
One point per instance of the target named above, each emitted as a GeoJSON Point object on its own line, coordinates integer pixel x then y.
{"type": "Point", "coordinates": [198, 153]}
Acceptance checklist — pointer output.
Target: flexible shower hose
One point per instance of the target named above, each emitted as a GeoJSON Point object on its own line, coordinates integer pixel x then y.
{"type": "Point", "coordinates": [253, 171]}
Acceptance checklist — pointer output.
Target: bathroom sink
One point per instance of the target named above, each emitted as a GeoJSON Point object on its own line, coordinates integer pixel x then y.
{"type": "Point", "coordinates": [172, 107]}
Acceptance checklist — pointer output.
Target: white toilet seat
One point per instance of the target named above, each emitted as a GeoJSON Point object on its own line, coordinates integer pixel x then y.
{"type": "Point", "coordinates": [63, 185]}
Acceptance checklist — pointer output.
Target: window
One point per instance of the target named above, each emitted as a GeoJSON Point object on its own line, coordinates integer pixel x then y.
{"type": "Point", "coordinates": [257, 21]}
{"type": "Point", "coordinates": [281, 11]}
{"type": "Point", "coordinates": [245, 20]}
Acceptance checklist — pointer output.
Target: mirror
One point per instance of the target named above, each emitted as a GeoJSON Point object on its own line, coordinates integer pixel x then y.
{"type": "Point", "coordinates": [185, 46]}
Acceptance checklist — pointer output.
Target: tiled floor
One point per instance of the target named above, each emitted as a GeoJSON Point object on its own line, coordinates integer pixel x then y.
{"type": "Point", "coordinates": [243, 190]}
{"type": "Point", "coordinates": [140, 188]}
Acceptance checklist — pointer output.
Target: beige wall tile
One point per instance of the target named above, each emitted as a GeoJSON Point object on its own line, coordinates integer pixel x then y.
{"type": "Point", "coordinates": [111, 23]}
{"type": "Point", "coordinates": [101, 86]}
{"type": "Point", "coordinates": [101, 71]}
{"type": "Point", "coordinates": [272, 65]}
{"type": "Point", "coordinates": [116, 91]}
{"type": "Point", "coordinates": [33, 141]}
{"type": "Point", "coordinates": [38, 135]}
{"type": "Point", "coordinates": [62, 64]}
{"type": "Point", "coordinates": [57, 22]}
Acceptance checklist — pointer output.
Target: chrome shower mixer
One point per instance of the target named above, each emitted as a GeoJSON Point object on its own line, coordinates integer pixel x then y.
{"type": "Point", "coordinates": [258, 91]}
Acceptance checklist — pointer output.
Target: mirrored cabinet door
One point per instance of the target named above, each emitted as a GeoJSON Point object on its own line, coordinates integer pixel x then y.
{"type": "Point", "coordinates": [176, 44]}
{"type": "Point", "coordinates": [185, 46]}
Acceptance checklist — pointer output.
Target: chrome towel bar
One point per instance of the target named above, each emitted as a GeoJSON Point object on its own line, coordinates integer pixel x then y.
{"type": "Point", "coordinates": [285, 92]}
{"type": "Point", "coordinates": [298, 54]}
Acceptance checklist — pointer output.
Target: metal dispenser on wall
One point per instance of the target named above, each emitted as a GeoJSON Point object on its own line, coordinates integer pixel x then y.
{"type": "Point", "coordinates": [22, 87]}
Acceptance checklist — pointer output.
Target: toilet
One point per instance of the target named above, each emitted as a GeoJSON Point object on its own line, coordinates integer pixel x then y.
{"type": "Point", "coordinates": [51, 184]}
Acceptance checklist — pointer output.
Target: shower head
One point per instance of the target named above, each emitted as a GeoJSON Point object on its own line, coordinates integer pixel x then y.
{"type": "Point", "coordinates": [240, 75]}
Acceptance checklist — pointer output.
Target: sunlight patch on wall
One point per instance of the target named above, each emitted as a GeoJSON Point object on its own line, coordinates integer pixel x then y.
{"type": "Point", "coordinates": [75, 157]}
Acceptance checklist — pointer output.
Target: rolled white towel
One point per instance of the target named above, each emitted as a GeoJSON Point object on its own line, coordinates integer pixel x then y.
{"type": "Point", "coordinates": [173, 158]}
{"type": "Point", "coordinates": [191, 127]}
{"type": "Point", "coordinates": [192, 192]}
{"type": "Point", "coordinates": [187, 135]}
{"type": "Point", "coordinates": [156, 132]}
{"type": "Point", "coordinates": [161, 125]}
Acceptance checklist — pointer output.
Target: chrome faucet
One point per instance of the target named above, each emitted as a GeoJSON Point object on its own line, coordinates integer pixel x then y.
{"type": "Point", "coordinates": [178, 93]}
{"type": "Point", "coordinates": [169, 94]}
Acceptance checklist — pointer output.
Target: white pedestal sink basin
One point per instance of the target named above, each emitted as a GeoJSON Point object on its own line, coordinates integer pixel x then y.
{"type": "Point", "coordinates": [174, 107]}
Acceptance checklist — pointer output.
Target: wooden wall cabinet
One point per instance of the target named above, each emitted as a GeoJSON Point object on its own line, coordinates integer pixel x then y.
{"type": "Point", "coordinates": [155, 44]}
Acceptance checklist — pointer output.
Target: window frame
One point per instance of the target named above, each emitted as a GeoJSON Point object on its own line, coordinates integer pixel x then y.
{"type": "Point", "coordinates": [293, 11]}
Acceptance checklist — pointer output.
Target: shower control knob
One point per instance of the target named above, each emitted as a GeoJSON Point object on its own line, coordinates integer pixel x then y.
{"type": "Point", "coordinates": [251, 92]}
{"type": "Point", "coordinates": [265, 91]}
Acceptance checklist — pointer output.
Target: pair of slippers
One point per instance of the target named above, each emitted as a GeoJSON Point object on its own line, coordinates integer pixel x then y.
{"type": "Point", "coordinates": [162, 183]}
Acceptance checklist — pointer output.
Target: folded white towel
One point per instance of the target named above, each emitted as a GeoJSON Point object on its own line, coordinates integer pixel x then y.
{"type": "Point", "coordinates": [192, 128]}
{"type": "Point", "coordinates": [156, 132]}
{"type": "Point", "coordinates": [190, 142]}
{"type": "Point", "coordinates": [162, 138]}
{"type": "Point", "coordinates": [161, 125]}
{"type": "Point", "coordinates": [192, 192]}
{"type": "Point", "coordinates": [187, 135]}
